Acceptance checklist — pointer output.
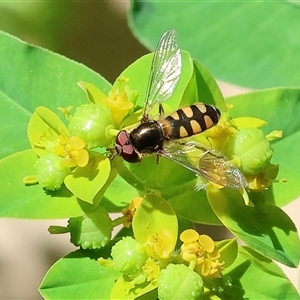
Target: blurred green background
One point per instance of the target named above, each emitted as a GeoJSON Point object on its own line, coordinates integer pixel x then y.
{"type": "Point", "coordinates": [93, 33]}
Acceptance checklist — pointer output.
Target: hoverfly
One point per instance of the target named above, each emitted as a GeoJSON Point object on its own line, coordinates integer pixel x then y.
{"type": "Point", "coordinates": [163, 136]}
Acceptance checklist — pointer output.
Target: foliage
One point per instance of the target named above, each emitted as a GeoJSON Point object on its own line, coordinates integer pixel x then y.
{"type": "Point", "coordinates": [67, 173]}
{"type": "Point", "coordinates": [248, 43]}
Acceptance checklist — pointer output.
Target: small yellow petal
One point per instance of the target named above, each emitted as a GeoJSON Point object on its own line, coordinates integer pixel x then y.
{"type": "Point", "coordinates": [82, 158]}
{"type": "Point", "coordinates": [214, 255]}
{"type": "Point", "coordinates": [207, 242]}
{"type": "Point", "coordinates": [125, 105]}
{"type": "Point", "coordinates": [205, 267]}
{"type": "Point", "coordinates": [135, 203]}
{"type": "Point", "coordinates": [151, 269]}
{"type": "Point", "coordinates": [76, 142]}
{"type": "Point", "coordinates": [189, 236]}
{"type": "Point", "coordinates": [159, 245]}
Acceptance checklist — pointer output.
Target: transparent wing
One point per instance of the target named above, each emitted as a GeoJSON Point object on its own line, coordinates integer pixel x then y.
{"type": "Point", "coordinates": [165, 71]}
{"type": "Point", "coordinates": [206, 162]}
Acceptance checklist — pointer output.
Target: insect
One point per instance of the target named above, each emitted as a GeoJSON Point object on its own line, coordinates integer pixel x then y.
{"type": "Point", "coordinates": [163, 136]}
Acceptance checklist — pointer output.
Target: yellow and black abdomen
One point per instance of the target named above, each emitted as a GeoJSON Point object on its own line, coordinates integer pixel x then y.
{"type": "Point", "coordinates": [189, 121]}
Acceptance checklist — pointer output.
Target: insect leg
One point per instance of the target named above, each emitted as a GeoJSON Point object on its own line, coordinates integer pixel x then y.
{"type": "Point", "coordinates": [161, 111]}
{"type": "Point", "coordinates": [157, 158]}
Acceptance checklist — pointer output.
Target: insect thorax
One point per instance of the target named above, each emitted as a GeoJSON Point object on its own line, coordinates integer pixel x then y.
{"type": "Point", "coordinates": [147, 137]}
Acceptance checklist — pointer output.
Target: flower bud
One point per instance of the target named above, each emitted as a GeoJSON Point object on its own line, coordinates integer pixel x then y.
{"type": "Point", "coordinates": [90, 122]}
{"type": "Point", "coordinates": [128, 255]}
{"type": "Point", "coordinates": [51, 171]}
{"type": "Point", "coordinates": [179, 282]}
{"type": "Point", "coordinates": [252, 148]}
{"type": "Point", "coordinates": [91, 231]}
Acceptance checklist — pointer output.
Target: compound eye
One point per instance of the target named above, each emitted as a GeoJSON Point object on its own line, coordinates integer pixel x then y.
{"type": "Point", "coordinates": [125, 149]}
{"type": "Point", "coordinates": [129, 154]}
{"type": "Point", "coordinates": [122, 138]}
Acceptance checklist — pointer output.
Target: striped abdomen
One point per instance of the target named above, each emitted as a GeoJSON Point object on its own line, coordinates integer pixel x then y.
{"type": "Point", "coordinates": [189, 120]}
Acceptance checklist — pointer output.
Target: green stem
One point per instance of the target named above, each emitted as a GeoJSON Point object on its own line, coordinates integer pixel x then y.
{"type": "Point", "coordinates": [118, 221]}
{"type": "Point", "coordinates": [192, 264]}
{"type": "Point", "coordinates": [110, 131]}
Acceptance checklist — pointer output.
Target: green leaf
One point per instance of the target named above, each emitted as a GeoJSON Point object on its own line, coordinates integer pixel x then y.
{"type": "Point", "coordinates": [207, 89]}
{"type": "Point", "coordinates": [126, 193]}
{"type": "Point", "coordinates": [93, 93]}
{"type": "Point", "coordinates": [254, 276]}
{"type": "Point", "coordinates": [265, 228]}
{"type": "Point", "coordinates": [129, 176]}
{"type": "Point", "coordinates": [280, 107]}
{"type": "Point", "coordinates": [276, 106]}
{"type": "Point", "coordinates": [152, 295]}
{"type": "Point", "coordinates": [167, 177]}
{"type": "Point", "coordinates": [193, 205]}
{"type": "Point", "coordinates": [44, 123]}
{"type": "Point", "coordinates": [152, 215]}
{"type": "Point", "coordinates": [86, 182]}
{"type": "Point", "coordinates": [32, 202]}
{"type": "Point", "coordinates": [79, 275]}
{"type": "Point", "coordinates": [31, 77]}
{"type": "Point", "coordinates": [120, 290]}
{"type": "Point", "coordinates": [52, 120]}
{"type": "Point", "coordinates": [99, 196]}
{"type": "Point", "coordinates": [175, 183]}
{"type": "Point", "coordinates": [248, 43]}
{"type": "Point", "coordinates": [228, 250]}
{"type": "Point", "coordinates": [14, 119]}
{"type": "Point", "coordinates": [286, 154]}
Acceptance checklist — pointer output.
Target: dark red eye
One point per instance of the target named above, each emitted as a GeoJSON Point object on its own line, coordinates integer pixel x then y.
{"type": "Point", "coordinates": [122, 138]}
{"type": "Point", "coordinates": [125, 149]}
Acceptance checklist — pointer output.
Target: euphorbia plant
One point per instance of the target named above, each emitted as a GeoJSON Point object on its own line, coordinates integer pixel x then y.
{"type": "Point", "coordinates": [68, 172]}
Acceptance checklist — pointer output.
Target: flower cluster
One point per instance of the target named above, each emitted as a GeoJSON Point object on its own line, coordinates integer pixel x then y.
{"type": "Point", "coordinates": [158, 264]}
{"type": "Point", "coordinates": [60, 154]}
{"type": "Point", "coordinates": [71, 149]}
{"type": "Point", "coordinates": [155, 261]}
{"type": "Point", "coordinates": [245, 144]}
{"type": "Point", "coordinates": [200, 251]}
{"type": "Point", "coordinates": [93, 125]}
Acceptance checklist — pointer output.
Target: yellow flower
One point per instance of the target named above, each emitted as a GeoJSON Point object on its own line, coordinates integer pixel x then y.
{"type": "Point", "coordinates": [218, 135]}
{"type": "Point", "coordinates": [264, 179]}
{"type": "Point", "coordinates": [191, 249]}
{"type": "Point", "coordinates": [200, 251]}
{"type": "Point", "coordinates": [151, 269]}
{"type": "Point", "coordinates": [120, 101]}
{"type": "Point", "coordinates": [129, 211]}
{"type": "Point", "coordinates": [160, 245]}
{"type": "Point", "coordinates": [71, 149]}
